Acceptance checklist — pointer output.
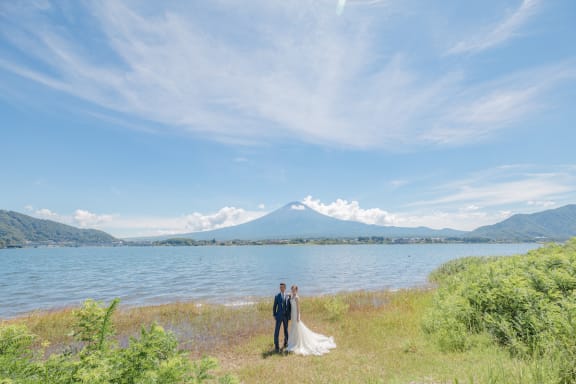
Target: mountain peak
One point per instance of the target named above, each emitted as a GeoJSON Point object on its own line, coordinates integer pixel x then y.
{"type": "Point", "coordinates": [295, 206]}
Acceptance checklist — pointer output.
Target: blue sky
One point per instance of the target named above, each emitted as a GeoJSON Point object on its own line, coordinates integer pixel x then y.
{"type": "Point", "coordinates": [147, 117]}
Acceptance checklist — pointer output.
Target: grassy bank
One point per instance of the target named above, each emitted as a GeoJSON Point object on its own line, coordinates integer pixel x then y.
{"type": "Point", "coordinates": [379, 337]}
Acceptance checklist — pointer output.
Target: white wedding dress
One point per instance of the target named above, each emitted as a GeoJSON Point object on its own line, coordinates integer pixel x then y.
{"type": "Point", "coordinates": [303, 341]}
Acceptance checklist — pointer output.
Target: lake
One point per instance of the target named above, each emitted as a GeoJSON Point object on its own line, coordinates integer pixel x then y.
{"type": "Point", "coordinates": [50, 278]}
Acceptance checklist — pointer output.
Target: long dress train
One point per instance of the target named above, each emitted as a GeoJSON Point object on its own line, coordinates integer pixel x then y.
{"type": "Point", "coordinates": [301, 340]}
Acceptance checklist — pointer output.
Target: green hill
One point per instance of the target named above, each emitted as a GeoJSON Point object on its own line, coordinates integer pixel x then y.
{"type": "Point", "coordinates": [18, 230]}
{"type": "Point", "coordinates": [550, 225]}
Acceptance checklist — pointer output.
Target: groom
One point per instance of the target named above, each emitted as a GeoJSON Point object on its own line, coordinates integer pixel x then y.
{"type": "Point", "coordinates": [281, 312]}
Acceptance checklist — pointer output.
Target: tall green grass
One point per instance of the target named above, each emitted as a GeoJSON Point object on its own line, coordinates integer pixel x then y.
{"type": "Point", "coordinates": [525, 303]}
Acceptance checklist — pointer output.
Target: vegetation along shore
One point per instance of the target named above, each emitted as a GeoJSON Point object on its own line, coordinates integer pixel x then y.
{"type": "Point", "coordinates": [487, 320]}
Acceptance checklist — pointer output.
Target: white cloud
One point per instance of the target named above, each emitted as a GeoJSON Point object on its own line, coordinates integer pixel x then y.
{"type": "Point", "coordinates": [499, 33]}
{"type": "Point", "coordinates": [345, 210]}
{"type": "Point", "coordinates": [46, 213]}
{"type": "Point", "coordinates": [87, 219]}
{"type": "Point", "coordinates": [318, 78]}
{"type": "Point", "coordinates": [225, 217]}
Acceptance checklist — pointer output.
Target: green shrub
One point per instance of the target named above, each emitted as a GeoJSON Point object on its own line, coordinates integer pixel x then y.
{"type": "Point", "coordinates": [152, 358]}
{"type": "Point", "coordinates": [527, 303]}
{"type": "Point", "coordinates": [94, 324]}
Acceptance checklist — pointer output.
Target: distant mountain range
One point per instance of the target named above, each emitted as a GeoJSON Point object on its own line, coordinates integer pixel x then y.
{"type": "Point", "coordinates": [553, 224]}
{"type": "Point", "coordinates": [298, 221]}
{"type": "Point", "coordinates": [18, 230]}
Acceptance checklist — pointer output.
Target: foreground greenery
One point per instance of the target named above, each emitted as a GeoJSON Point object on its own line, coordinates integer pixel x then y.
{"type": "Point", "coordinates": [490, 320]}
{"type": "Point", "coordinates": [526, 304]}
{"type": "Point", "coordinates": [151, 358]}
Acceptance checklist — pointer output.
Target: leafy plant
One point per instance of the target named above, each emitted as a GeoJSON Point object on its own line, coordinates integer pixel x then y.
{"type": "Point", "coordinates": [152, 358]}
{"type": "Point", "coordinates": [94, 324]}
{"type": "Point", "coordinates": [15, 352]}
{"type": "Point", "coordinates": [527, 303]}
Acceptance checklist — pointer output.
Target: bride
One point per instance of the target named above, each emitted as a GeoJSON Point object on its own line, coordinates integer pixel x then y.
{"type": "Point", "coordinates": [301, 340]}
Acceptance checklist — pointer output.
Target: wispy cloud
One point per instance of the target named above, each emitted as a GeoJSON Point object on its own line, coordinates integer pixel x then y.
{"type": "Point", "coordinates": [513, 186]}
{"type": "Point", "coordinates": [241, 78]}
{"type": "Point", "coordinates": [499, 33]}
{"type": "Point", "coordinates": [488, 107]}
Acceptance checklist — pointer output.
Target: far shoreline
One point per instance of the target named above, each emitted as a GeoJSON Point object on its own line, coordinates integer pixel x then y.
{"type": "Point", "coordinates": [361, 240]}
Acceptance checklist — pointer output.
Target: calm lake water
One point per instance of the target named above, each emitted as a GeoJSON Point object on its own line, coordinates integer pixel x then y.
{"type": "Point", "coordinates": [48, 278]}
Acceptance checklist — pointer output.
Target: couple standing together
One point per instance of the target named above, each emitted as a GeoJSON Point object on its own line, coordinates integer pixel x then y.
{"type": "Point", "coordinates": [300, 340]}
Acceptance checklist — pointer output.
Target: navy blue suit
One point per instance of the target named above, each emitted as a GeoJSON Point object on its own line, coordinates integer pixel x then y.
{"type": "Point", "coordinates": [281, 312]}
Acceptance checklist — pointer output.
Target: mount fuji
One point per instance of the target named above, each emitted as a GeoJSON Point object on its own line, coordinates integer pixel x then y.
{"type": "Point", "coordinates": [296, 220]}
